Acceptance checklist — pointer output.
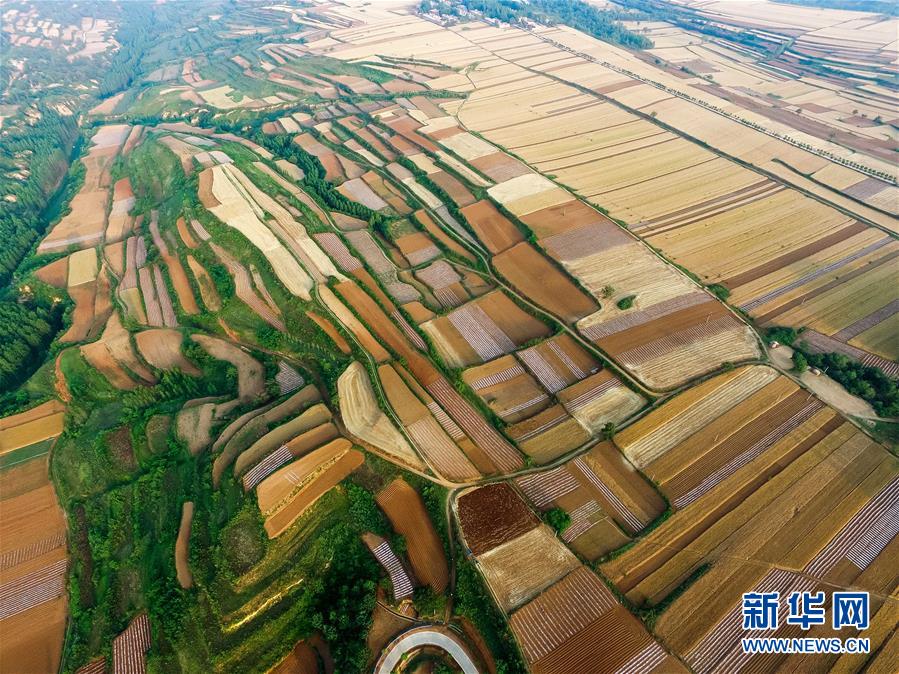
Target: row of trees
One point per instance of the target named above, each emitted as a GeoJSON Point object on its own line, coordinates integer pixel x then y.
{"type": "Point", "coordinates": [600, 23]}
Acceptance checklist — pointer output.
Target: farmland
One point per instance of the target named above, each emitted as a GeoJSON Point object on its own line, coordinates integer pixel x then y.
{"type": "Point", "coordinates": [339, 337]}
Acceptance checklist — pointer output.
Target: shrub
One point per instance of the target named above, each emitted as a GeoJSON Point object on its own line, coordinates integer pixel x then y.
{"type": "Point", "coordinates": [626, 302]}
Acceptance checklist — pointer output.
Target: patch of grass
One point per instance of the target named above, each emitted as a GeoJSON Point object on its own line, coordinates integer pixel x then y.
{"type": "Point", "coordinates": [626, 302]}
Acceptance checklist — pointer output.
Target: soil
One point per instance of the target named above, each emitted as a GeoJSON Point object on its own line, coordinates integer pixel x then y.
{"type": "Point", "coordinates": [185, 577]}
{"type": "Point", "coordinates": [537, 279]}
{"type": "Point", "coordinates": [492, 515]}
{"type": "Point", "coordinates": [492, 228]}
{"type": "Point", "coordinates": [330, 330]}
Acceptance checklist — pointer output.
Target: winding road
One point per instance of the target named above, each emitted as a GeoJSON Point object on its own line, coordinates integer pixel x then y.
{"type": "Point", "coordinates": [420, 637]}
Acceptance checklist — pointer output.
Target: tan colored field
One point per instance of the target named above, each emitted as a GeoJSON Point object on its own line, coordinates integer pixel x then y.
{"type": "Point", "coordinates": [365, 420]}
{"type": "Point", "coordinates": [161, 348]}
{"type": "Point", "coordinates": [282, 435]}
{"type": "Point", "coordinates": [82, 267]}
{"type": "Point", "coordinates": [526, 565]}
{"type": "Point", "coordinates": [182, 566]}
{"type": "Point", "coordinates": [26, 428]}
{"type": "Point", "coordinates": [238, 210]}
{"type": "Point", "coordinates": [353, 324]}
{"type": "Point", "coordinates": [250, 373]}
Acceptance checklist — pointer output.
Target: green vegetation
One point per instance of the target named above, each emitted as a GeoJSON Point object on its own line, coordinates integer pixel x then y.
{"type": "Point", "coordinates": [558, 519]}
{"type": "Point", "coordinates": [800, 364]}
{"type": "Point", "coordinates": [719, 291]}
{"type": "Point", "coordinates": [867, 382]}
{"type": "Point", "coordinates": [602, 24]}
{"type": "Point", "coordinates": [626, 302]}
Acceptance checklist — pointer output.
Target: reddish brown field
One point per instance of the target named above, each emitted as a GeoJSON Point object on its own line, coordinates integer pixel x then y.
{"type": "Point", "coordinates": [560, 218]}
{"type": "Point", "coordinates": [492, 515]}
{"type": "Point", "coordinates": [375, 317]}
{"type": "Point", "coordinates": [453, 187]}
{"type": "Point", "coordinates": [301, 660]}
{"type": "Point", "coordinates": [56, 273]}
{"type": "Point", "coordinates": [182, 567]}
{"type": "Point", "coordinates": [329, 330]}
{"type": "Point", "coordinates": [406, 512]}
{"type": "Point", "coordinates": [492, 228]}
{"type": "Point", "coordinates": [662, 327]}
{"type": "Point", "coordinates": [531, 273]}
{"type": "Point", "coordinates": [185, 234]}
{"type": "Point", "coordinates": [83, 315]}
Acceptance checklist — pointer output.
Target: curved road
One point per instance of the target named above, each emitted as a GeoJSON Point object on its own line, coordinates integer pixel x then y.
{"type": "Point", "coordinates": [420, 637]}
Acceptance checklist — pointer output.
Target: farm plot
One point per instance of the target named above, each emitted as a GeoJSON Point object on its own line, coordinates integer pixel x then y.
{"type": "Point", "coordinates": [250, 373]}
{"type": "Point", "coordinates": [492, 228]}
{"type": "Point", "coordinates": [444, 282]}
{"type": "Point", "coordinates": [406, 512]}
{"type": "Point", "coordinates": [182, 543]}
{"type": "Point", "coordinates": [548, 434]}
{"type": "Point", "coordinates": [176, 270]}
{"type": "Point", "coordinates": [35, 425]}
{"type": "Point", "coordinates": [536, 278]}
{"type": "Point", "coordinates": [232, 205]}
{"type": "Point", "coordinates": [129, 649]}
{"type": "Point", "coordinates": [114, 357]}
{"type": "Point", "coordinates": [521, 568]}
{"type": "Point", "coordinates": [365, 420]}
{"type": "Point", "coordinates": [305, 442]}
{"type": "Point", "coordinates": [492, 515]}
{"type": "Point", "coordinates": [558, 362]}
{"type": "Point", "coordinates": [241, 433]}
{"type": "Point", "coordinates": [483, 329]}
{"type": "Point", "coordinates": [439, 448]}
{"type": "Point", "coordinates": [33, 605]}
{"type": "Point", "coordinates": [208, 292]}
{"type": "Point", "coordinates": [364, 243]}
{"type": "Point", "coordinates": [578, 623]}
{"type": "Point", "coordinates": [400, 581]}
{"type": "Point", "coordinates": [600, 399]}
{"type": "Point", "coordinates": [418, 248]}
{"type": "Point", "coordinates": [288, 492]}
{"type": "Point", "coordinates": [119, 221]}
{"type": "Point", "coordinates": [243, 288]}
{"type": "Point", "coordinates": [507, 389]}
{"type": "Point", "coordinates": [85, 224]}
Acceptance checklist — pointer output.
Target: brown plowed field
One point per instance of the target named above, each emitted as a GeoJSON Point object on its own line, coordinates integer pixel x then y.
{"type": "Point", "coordinates": [662, 327]}
{"type": "Point", "coordinates": [556, 219]}
{"type": "Point", "coordinates": [56, 273]}
{"type": "Point", "coordinates": [353, 324]}
{"type": "Point", "coordinates": [406, 512]}
{"type": "Point", "coordinates": [375, 317]}
{"type": "Point", "coordinates": [301, 660]}
{"type": "Point", "coordinates": [493, 229]}
{"type": "Point", "coordinates": [329, 330]}
{"type": "Point", "coordinates": [492, 515]}
{"type": "Point", "coordinates": [83, 315]}
{"type": "Point", "coordinates": [184, 233]}
{"type": "Point", "coordinates": [161, 348]}
{"type": "Point", "coordinates": [331, 476]}
{"type": "Point", "coordinates": [536, 278]}
{"type": "Point", "coordinates": [185, 577]}
{"type": "Point", "coordinates": [453, 187]}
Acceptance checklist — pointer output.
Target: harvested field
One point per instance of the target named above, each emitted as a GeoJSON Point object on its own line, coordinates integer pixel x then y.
{"type": "Point", "coordinates": [114, 357]}
{"type": "Point", "coordinates": [365, 420]}
{"type": "Point", "coordinates": [297, 447]}
{"type": "Point", "coordinates": [492, 515]}
{"type": "Point", "coordinates": [353, 325]}
{"type": "Point", "coordinates": [524, 566]}
{"type": "Point", "coordinates": [658, 432]}
{"type": "Point", "coordinates": [417, 248]}
{"type": "Point", "coordinates": [435, 231]}
{"type": "Point", "coordinates": [182, 566]}
{"type": "Point", "coordinates": [208, 292]}
{"type": "Point", "coordinates": [549, 434]}
{"type": "Point", "coordinates": [237, 208]}
{"type": "Point", "coordinates": [82, 267]}
{"type": "Point", "coordinates": [34, 425]}
{"type": "Point", "coordinates": [246, 429]}
{"type": "Point", "coordinates": [286, 494]}
{"type": "Point", "coordinates": [406, 512]}
{"type": "Point", "coordinates": [250, 373]}
{"type": "Point", "coordinates": [599, 399]}
{"type": "Point", "coordinates": [492, 228]}
{"type": "Point", "coordinates": [558, 362]}
{"type": "Point", "coordinates": [287, 435]}
{"type": "Point", "coordinates": [536, 278]}
{"type": "Point", "coordinates": [161, 348]}
{"type": "Point", "coordinates": [507, 389]}
{"type": "Point", "coordinates": [359, 191]}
